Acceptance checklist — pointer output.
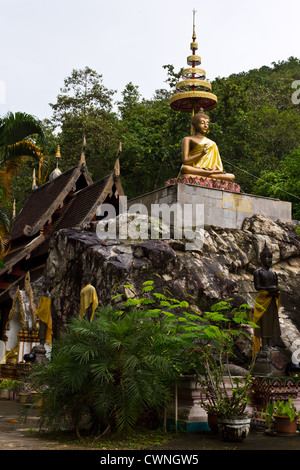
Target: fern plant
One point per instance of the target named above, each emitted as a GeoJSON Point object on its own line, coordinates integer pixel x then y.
{"type": "Point", "coordinates": [106, 371]}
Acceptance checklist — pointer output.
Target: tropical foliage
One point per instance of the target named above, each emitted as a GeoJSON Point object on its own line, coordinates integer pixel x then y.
{"type": "Point", "coordinates": [256, 126]}
{"type": "Point", "coordinates": [15, 150]}
{"type": "Point", "coordinates": [106, 373]}
{"type": "Point", "coordinates": [103, 375]}
{"type": "Point", "coordinates": [282, 408]}
{"type": "Point", "coordinates": [84, 107]}
{"type": "Point", "coordinates": [283, 182]}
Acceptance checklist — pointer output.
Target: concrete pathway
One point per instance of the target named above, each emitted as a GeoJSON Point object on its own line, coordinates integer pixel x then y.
{"type": "Point", "coordinates": [15, 435]}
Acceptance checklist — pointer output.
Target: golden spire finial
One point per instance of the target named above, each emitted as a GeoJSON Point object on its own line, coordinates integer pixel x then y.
{"type": "Point", "coordinates": [82, 158]}
{"type": "Point", "coordinates": [117, 164]}
{"type": "Point", "coordinates": [194, 44]}
{"type": "Point", "coordinates": [34, 185]}
{"type": "Point", "coordinates": [193, 91]}
{"type": "Point", "coordinates": [58, 155]}
{"type": "Point", "coordinates": [56, 172]}
{"type": "Point", "coordinates": [194, 30]}
{"type": "Point", "coordinates": [14, 209]}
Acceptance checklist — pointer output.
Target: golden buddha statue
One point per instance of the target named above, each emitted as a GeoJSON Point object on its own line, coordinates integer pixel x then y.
{"type": "Point", "coordinates": [200, 155]}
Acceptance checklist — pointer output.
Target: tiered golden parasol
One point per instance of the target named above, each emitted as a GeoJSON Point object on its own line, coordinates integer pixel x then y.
{"type": "Point", "coordinates": [194, 91]}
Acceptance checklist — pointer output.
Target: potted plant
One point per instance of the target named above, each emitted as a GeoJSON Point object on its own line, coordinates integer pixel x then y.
{"type": "Point", "coordinates": [222, 394]}
{"type": "Point", "coordinates": [204, 343]}
{"type": "Point", "coordinates": [13, 388]}
{"type": "Point", "coordinates": [282, 416]}
{"type": "Point", "coordinates": [7, 387]}
{"type": "Point", "coordinates": [24, 392]}
{"type": "Point", "coordinates": [233, 419]}
{"type": "Point", "coordinates": [225, 398]}
{"type": "Point", "coordinates": [4, 390]}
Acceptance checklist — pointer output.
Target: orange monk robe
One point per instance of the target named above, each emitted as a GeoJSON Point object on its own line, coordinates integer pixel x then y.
{"type": "Point", "coordinates": [88, 296]}
{"type": "Point", "coordinates": [44, 314]}
{"type": "Point", "coordinates": [262, 302]}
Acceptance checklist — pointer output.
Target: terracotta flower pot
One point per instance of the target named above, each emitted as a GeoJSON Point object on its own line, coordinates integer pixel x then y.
{"type": "Point", "coordinates": [212, 420]}
{"type": "Point", "coordinates": [284, 425]}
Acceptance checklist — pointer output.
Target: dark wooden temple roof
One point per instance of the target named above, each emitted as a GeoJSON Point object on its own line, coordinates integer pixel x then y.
{"type": "Point", "coordinates": [82, 203]}
{"type": "Point", "coordinates": [69, 201]}
{"type": "Point", "coordinates": [44, 200]}
{"type": "Point", "coordinates": [81, 208]}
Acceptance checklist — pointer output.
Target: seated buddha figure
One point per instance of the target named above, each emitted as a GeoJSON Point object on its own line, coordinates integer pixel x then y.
{"type": "Point", "coordinates": [200, 155]}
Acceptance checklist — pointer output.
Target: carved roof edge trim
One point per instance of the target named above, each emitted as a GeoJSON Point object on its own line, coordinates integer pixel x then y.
{"type": "Point", "coordinates": [116, 177]}
{"type": "Point", "coordinates": [80, 169]}
{"type": "Point", "coordinates": [17, 297]}
{"type": "Point", "coordinates": [113, 179]}
{"type": "Point", "coordinates": [16, 283]}
{"type": "Point", "coordinates": [24, 253]}
{"type": "Point", "coordinates": [107, 190]}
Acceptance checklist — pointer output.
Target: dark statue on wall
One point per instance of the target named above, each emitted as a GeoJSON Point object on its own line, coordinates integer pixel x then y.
{"type": "Point", "coordinates": [269, 353]}
{"type": "Point", "coordinates": [267, 304]}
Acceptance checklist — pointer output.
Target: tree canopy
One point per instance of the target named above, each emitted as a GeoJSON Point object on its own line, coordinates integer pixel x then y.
{"type": "Point", "coordinates": [256, 126]}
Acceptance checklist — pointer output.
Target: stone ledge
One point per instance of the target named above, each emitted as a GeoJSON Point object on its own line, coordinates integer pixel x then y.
{"type": "Point", "coordinates": [222, 208]}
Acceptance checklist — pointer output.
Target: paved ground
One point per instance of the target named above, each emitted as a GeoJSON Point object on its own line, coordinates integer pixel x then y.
{"type": "Point", "coordinates": [15, 435]}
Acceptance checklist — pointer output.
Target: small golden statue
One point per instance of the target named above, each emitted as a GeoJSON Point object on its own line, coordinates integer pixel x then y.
{"type": "Point", "coordinates": [88, 298]}
{"type": "Point", "coordinates": [200, 155]}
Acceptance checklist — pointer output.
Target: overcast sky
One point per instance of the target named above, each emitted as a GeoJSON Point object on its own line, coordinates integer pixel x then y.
{"type": "Point", "coordinates": [130, 40]}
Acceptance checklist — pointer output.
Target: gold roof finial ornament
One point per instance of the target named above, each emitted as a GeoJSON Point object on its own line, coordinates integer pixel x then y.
{"type": "Point", "coordinates": [194, 29]}
{"type": "Point", "coordinates": [117, 164]}
{"type": "Point", "coordinates": [193, 92]}
{"type": "Point", "coordinates": [82, 158]}
{"type": "Point", "coordinates": [58, 155]}
{"type": "Point", "coordinates": [56, 172]}
{"type": "Point", "coordinates": [34, 185]}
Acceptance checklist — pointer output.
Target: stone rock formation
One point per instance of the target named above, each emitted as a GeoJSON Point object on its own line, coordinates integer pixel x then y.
{"type": "Point", "coordinates": [223, 268]}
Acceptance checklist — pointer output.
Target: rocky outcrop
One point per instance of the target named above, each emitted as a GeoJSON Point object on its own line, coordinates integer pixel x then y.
{"type": "Point", "coordinates": [223, 268]}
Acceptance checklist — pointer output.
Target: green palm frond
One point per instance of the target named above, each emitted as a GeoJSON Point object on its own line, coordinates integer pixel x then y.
{"type": "Point", "coordinates": [14, 149]}
{"type": "Point", "coordinates": [115, 365]}
{"type": "Point", "coordinates": [15, 127]}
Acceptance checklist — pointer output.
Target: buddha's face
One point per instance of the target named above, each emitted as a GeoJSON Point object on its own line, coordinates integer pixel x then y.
{"type": "Point", "coordinates": [202, 125]}
{"type": "Point", "coordinates": [267, 259]}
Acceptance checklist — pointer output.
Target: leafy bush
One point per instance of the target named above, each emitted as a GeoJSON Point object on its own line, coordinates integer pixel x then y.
{"type": "Point", "coordinates": [282, 408]}
{"type": "Point", "coordinates": [103, 374]}
{"type": "Point", "coordinates": [9, 383]}
{"type": "Point", "coordinates": [106, 371]}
